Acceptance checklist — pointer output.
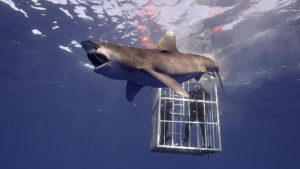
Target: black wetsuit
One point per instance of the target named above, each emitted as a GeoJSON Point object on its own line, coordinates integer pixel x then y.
{"type": "Point", "coordinates": [196, 113]}
{"type": "Point", "coordinates": [165, 114]}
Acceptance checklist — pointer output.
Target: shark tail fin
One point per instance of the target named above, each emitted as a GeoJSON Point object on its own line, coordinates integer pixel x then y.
{"type": "Point", "coordinates": [220, 79]}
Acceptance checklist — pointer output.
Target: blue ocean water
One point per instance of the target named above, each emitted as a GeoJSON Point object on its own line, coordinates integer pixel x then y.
{"type": "Point", "coordinates": [57, 113]}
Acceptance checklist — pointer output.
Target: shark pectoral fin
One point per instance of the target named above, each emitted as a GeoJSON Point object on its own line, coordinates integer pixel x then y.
{"type": "Point", "coordinates": [167, 43]}
{"type": "Point", "coordinates": [168, 81]}
{"type": "Point", "coordinates": [131, 90]}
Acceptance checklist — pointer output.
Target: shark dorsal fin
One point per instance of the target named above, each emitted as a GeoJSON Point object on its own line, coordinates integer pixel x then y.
{"type": "Point", "coordinates": [167, 42]}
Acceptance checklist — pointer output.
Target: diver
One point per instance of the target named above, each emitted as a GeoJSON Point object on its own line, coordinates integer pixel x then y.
{"type": "Point", "coordinates": [196, 112]}
{"type": "Point", "coordinates": [165, 114]}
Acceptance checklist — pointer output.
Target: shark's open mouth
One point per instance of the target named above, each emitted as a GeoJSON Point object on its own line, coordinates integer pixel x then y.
{"type": "Point", "coordinates": [97, 59]}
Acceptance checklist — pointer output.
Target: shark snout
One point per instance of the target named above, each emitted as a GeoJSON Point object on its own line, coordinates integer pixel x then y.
{"type": "Point", "coordinates": [89, 46]}
{"type": "Point", "coordinates": [96, 57]}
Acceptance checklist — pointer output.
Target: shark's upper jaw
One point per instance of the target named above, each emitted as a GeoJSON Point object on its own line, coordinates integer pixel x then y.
{"type": "Point", "coordinates": [89, 46]}
{"type": "Point", "coordinates": [96, 58]}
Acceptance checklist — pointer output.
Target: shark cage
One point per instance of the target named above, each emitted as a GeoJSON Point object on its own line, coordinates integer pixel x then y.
{"type": "Point", "coordinates": [187, 125]}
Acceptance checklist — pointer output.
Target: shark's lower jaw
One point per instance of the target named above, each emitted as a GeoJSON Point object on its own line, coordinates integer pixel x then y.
{"type": "Point", "coordinates": [97, 59]}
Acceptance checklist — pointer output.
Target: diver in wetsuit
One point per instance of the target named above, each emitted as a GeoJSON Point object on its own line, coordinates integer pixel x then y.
{"type": "Point", "coordinates": [196, 111]}
{"type": "Point", "coordinates": [165, 114]}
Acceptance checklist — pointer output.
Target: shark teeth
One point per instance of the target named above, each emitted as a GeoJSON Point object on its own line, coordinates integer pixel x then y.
{"type": "Point", "coordinates": [97, 59]}
{"type": "Point", "coordinates": [106, 64]}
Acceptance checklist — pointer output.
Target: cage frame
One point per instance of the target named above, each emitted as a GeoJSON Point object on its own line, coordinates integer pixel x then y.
{"type": "Point", "coordinates": [173, 147]}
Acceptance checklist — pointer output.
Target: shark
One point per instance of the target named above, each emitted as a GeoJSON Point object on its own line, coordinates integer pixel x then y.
{"type": "Point", "coordinates": [164, 66]}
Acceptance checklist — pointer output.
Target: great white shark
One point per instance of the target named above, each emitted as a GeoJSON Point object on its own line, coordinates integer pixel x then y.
{"type": "Point", "coordinates": [164, 66]}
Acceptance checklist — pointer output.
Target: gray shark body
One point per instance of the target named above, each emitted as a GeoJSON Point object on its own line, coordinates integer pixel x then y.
{"type": "Point", "coordinates": [161, 67]}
